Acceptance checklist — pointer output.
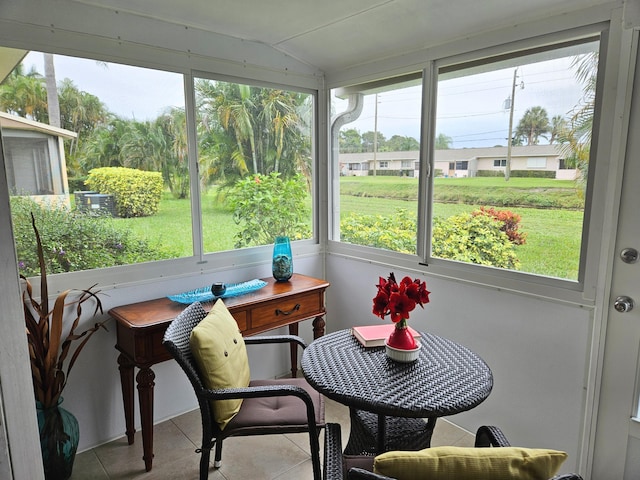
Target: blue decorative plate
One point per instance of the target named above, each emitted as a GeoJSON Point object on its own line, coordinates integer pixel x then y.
{"type": "Point", "coordinates": [204, 294]}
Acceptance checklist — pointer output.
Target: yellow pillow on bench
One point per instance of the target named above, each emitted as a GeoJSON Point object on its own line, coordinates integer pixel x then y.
{"type": "Point", "coordinates": [466, 463]}
{"type": "Point", "coordinates": [221, 355]}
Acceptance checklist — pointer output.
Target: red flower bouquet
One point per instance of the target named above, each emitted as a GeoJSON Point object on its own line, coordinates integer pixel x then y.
{"type": "Point", "coordinates": [398, 300]}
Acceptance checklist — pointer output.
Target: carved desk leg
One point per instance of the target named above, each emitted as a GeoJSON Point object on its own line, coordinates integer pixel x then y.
{"type": "Point", "coordinates": [318, 326]}
{"type": "Point", "coordinates": [126, 380]}
{"type": "Point", "coordinates": [145, 379]}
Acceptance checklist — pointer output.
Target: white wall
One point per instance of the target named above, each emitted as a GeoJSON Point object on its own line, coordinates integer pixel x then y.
{"type": "Point", "coordinates": [536, 349]}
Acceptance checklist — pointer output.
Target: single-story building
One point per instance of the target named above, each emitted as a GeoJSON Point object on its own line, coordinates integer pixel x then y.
{"type": "Point", "coordinates": [35, 159]}
{"type": "Point", "coordinates": [459, 162]}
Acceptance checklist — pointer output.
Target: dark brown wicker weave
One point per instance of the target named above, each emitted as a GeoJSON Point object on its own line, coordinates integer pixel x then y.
{"type": "Point", "coordinates": [269, 406]}
{"type": "Point", "coordinates": [387, 399]}
{"type": "Point", "coordinates": [400, 433]}
{"type": "Point", "coordinates": [338, 467]}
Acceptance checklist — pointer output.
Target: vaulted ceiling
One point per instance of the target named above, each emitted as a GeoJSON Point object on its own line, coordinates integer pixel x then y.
{"type": "Point", "coordinates": [334, 34]}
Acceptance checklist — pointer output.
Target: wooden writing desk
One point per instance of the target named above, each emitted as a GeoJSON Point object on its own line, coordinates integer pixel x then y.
{"type": "Point", "coordinates": [140, 328]}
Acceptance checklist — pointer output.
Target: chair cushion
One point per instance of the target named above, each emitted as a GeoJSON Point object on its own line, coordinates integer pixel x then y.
{"type": "Point", "coordinates": [220, 353]}
{"type": "Point", "coordinates": [462, 463]}
{"type": "Point", "coordinates": [288, 411]}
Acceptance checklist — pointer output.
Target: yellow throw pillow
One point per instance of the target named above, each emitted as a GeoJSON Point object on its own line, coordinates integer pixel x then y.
{"type": "Point", "coordinates": [219, 351]}
{"type": "Point", "coordinates": [465, 463]}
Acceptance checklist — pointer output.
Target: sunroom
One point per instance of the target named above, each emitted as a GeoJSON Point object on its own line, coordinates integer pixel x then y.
{"type": "Point", "coordinates": [551, 315]}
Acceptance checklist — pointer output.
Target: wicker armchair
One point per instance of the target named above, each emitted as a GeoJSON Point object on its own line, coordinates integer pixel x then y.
{"type": "Point", "coordinates": [339, 467]}
{"type": "Point", "coordinates": [268, 407]}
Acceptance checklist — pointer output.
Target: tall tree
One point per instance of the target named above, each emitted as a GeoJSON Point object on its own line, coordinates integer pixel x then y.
{"type": "Point", "coordinates": [24, 94]}
{"type": "Point", "coordinates": [443, 142]}
{"type": "Point", "coordinates": [350, 141]}
{"type": "Point", "coordinates": [368, 140]}
{"type": "Point", "coordinates": [270, 127]}
{"type": "Point", "coordinates": [578, 134]}
{"type": "Point", "coordinates": [533, 125]}
{"type": "Point", "coordinates": [400, 143]}
{"type": "Point", "coordinates": [558, 126]}
{"type": "Point", "coordinates": [52, 90]}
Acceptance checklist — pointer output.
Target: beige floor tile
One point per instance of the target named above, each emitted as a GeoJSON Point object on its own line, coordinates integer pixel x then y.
{"type": "Point", "coordinates": [264, 457]}
{"type": "Point", "coordinates": [269, 457]}
{"type": "Point", "coordinates": [87, 465]}
{"type": "Point", "coordinates": [446, 433]}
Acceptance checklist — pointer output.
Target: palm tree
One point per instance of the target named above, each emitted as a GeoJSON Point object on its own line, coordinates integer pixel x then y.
{"type": "Point", "coordinates": [175, 163]}
{"type": "Point", "coordinates": [102, 147]}
{"type": "Point", "coordinates": [53, 105]}
{"type": "Point", "coordinates": [533, 125]}
{"type": "Point", "coordinates": [578, 133]}
{"type": "Point", "coordinates": [267, 126]}
{"type": "Point", "coordinates": [82, 113]}
{"type": "Point", "coordinates": [23, 94]}
{"type": "Point", "coordinates": [558, 126]}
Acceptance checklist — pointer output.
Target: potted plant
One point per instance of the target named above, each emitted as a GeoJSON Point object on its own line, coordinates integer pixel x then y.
{"type": "Point", "coordinates": [50, 344]}
{"type": "Point", "coordinates": [398, 300]}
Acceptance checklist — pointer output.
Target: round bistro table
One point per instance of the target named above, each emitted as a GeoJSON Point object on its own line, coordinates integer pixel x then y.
{"type": "Point", "coordinates": [388, 400]}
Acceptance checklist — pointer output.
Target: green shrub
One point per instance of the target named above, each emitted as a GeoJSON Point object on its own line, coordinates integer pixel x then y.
{"type": "Point", "coordinates": [397, 232]}
{"type": "Point", "coordinates": [73, 241]}
{"type": "Point", "coordinates": [518, 173]}
{"type": "Point", "coordinates": [137, 193]}
{"type": "Point", "coordinates": [509, 223]}
{"type": "Point", "coordinates": [267, 206]}
{"type": "Point", "coordinates": [533, 173]}
{"type": "Point", "coordinates": [473, 239]}
{"type": "Point", "coordinates": [490, 173]}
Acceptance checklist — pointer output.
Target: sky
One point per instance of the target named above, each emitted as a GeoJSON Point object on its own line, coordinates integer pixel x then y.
{"type": "Point", "coordinates": [470, 109]}
{"type": "Point", "coordinates": [130, 92]}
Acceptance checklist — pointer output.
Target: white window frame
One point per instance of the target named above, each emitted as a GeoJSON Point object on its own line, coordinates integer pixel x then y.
{"type": "Point", "coordinates": [514, 280]}
{"type": "Point", "coordinates": [527, 283]}
{"type": "Point", "coordinates": [199, 263]}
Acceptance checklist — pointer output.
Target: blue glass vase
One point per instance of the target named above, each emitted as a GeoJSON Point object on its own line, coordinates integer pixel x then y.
{"type": "Point", "coordinates": [59, 437]}
{"type": "Point", "coordinates": [282, 266]}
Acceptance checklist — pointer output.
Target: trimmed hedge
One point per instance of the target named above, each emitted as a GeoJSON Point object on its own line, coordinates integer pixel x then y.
{"type": "Point", "coordinates": [518, 173]}
{"type": "Point", "coordinates": [137, 193]}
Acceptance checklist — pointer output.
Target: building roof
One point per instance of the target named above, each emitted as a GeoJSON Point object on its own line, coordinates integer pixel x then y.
{"type": "Point", "coordinates": [18, 123]}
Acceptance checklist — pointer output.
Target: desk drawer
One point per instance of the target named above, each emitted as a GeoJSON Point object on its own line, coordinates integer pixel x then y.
{"type": "Point", "coordinates": [285, 311]}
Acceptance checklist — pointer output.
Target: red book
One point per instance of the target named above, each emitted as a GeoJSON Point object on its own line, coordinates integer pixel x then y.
{"type": "Point", "coordinates": [376, 335]}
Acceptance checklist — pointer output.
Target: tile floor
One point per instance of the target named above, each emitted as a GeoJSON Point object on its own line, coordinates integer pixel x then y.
{"type": "Point", "coordinates": [280, 457]}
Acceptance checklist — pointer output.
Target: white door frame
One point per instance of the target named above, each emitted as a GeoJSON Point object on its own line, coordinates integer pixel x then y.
{"type": "Point", "coordinates": [620, 334]}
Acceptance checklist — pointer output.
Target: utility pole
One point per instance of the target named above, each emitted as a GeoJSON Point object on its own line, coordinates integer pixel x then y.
{"type": "Point", "coordinates": [507, 169]}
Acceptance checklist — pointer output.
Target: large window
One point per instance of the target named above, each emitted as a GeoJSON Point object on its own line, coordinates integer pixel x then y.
{"type": "Point", "coordinates": [255, 163]}
{"type": "Point", "coordinates": [121, 158]}
{"type": "Point", "coordinates": [509, 150]}
{"type": "Point", "coordinates": [379, 203]}
{"type": "Point", "coordinates": [531, 109]}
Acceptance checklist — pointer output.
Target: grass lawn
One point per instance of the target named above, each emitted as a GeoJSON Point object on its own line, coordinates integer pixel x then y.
{"type": "Point", "coordinates": [553, 235]}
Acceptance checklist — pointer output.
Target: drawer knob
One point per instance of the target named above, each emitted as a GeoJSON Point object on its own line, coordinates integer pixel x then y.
{"type": "Point", "coordinates": [294, 309]}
